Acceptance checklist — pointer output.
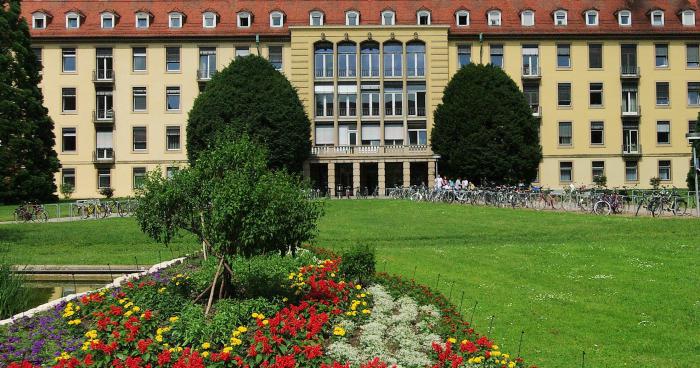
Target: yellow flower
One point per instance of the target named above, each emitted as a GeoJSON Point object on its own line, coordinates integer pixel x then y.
{"type": "Point", "coordinates": [235, 341]}
{"type": "Point", "coordinates": [494, 347]}
{"type": "Point", "coordinates": [128, 313]}
{"type": "Point", "coordinates": [161, 290]}
{"type": "Point", "coordinates": [74, 322]}
{"type": "Point", "coordinates": [265, 322]}
{"type": "Point", "coordinates": [366, 311]}
{"type": "Point", "coordinates": [173, 319]}
{"type": "Point", "coordinates": [136, 309]}
{"type": "Point", "coordinates": [92, 334]}
{"type": "Point", "coordinates": [254, 315]}
{"type": "Point", "coordinates": [478, 360]}
{"type": "Point", "coordinates": [227, 349]}
{"type": "Point", "coordinates": [159, 338]}
{"type": "Point", "coordinates": [338, 331]}
{"type": "Point", "coordinates": [511, 365]}
{"type": "Point", "coordinates": [358, 287]}
{"type": "Point", "coordinates": [206, 346]}
{"type": "Point", "coordinates": [495, 353]}
{"type": "Point", "coordinates": [452, 340]}
{"type": "Point", "coordinates": [205, 354]}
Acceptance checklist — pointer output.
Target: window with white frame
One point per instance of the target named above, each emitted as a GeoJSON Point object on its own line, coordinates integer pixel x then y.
{"type": "Point", "coordinates": [657, 18]}
{"type": "Point", "coordinates": [68, 60]}
{"type": "Point", "coordinates": [423, 17]}
{"type": "Point", "coordinates": [274, 55]}
{"type": "Point", "coordinates": [139, 98]}
{"type": "Point", "coordinates": [694, 93]}
{"type": "Point", "coordinates": [688, 18]}
{"type": "Point", "coordinates": [561, 18]}
{"type": "Point", "coordinates": [566, 171]}
{"type": "Point", "coordinates": [139, 138]}
{"type": "Point", "coordinates": [324, 100]}
{"type": "Point", "coordinates": [347, 56]}
{"type": "Point", "coordinates": [209, 20]}
{"type": "Point", "coordinates": [138, 177]}
{"type": "Point", "coordinates": [245, 19]}
{"type": "Point", "coordinates": [352, 18]}
{"type": "Point", "coordinates": [591, 17]}
{"type": "Point", "coordinates": [393, 100]}
{"type": "Point", "coordinates": [388, 18]}
{"type": "Point", "coordinates": [143, 20]}
{"type": "Point", "coordinates": [597, 169]}
{"type": "Point", "coordinates": [393, 56]}
{"type": "Point", "coordinates": [107, 20]}
{"type": "Point", "coordinates": [393, 133]}
{"type": "Point", "coordinates": [172, 58]}
{"type": "Point", "coordinates": [663, 132]}
{"type": "Point", "coordinates": [665, 170]}
{"type": "Point", "coordinates": [370, 102]}
{"type": "Point", "coordinates": [464, 55]}
{"type": "Point", "coordinates": [323, 60]}
{"type": "Point", "coordinates": [323, 134]}
{"type": "Point", "coordinates": [417, 133]}
{"type": "Point", "coordinates": [369, 59]}
{"type": "Point", "coordinates": [631, 171]}
{"type": "Point", "coordinates": [172, 138]}
{"type": "Point", "coordinates": [276, 19]}
{"type": "Point", "coordinates": [662, 94]}
{"type": "Point", "coordinates": [415, 59]}
{"type": "Point", "coordinates": [462, 18]}
{"type": "Point", "coordinates": [661, 55]}
{"type": "Point", "coordinates": [39, 20]}
{"type": "Point", "coordinates": [347, 100]}
{"type": "Point", "coordinates": [692, 55]}
{"type": "Point", "coordinates": [370, 134]}
{"type": "Point", "coordinates": [138, 59]}
{"type": "Point", "coordinates": [172, 98]}
{"type": "Point", "coordinates": [565, 133]}
{"type": "Point", "coordinates": [72, 20]}
{"type": "Point", "coordinates": [624, 18]}
{"type": "Point", "coordinates": [316, 18]}
{"type": "Point", "coordinates": [494, 17]}
{"type": "Point", "coordinates": [416, 100]}
{"type": "Point", "coordinates": [527, 18]}
{"type": "Point", "coordinates": [175, 20]}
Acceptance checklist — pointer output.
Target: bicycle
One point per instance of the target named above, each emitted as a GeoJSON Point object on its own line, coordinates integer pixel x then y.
{"type": "Point", "coordinates": [31, 212]}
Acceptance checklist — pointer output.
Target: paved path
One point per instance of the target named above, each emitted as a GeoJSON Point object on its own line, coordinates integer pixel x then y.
{"type": "Point", "coordinates": [62, 219]}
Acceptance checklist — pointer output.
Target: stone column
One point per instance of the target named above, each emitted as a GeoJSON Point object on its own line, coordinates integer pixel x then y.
{"type": "Point", "coordinates": [331, 178]}
{"type": "Point", "coordinates": [431, 173]}
{"type": "Point", "coordinates": [381, 178]}
{"type": "Point", "coordinates": [406, 174]}
{"type": "Point", "coordinates": [355, 177]}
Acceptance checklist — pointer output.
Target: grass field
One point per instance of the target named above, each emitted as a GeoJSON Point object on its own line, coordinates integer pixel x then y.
{"type": "Point", "coordinates": [626, 290]}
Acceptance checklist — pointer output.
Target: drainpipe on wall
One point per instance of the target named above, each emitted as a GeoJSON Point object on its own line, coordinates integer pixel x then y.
{"type": "Point", "coordinates": [257, 44]}
{"type": "Point", "coordinates": [481, 48]}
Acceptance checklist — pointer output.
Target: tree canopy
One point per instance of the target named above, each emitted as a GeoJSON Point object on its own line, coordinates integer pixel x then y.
{"type": "Point", "coordinates": [27, 158]}
{"type": "Point", "coordinates": [250, 97]}
{"type": "Point", "coordinates": [484, 128]}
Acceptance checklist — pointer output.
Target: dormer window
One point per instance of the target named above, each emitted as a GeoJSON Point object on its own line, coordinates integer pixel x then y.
{"type": "Point", "coordinates": [462, 18]}
{"type": "Point", "coordinates": [276, 19]}
{"type": "Point", "coordinates": [657, 18]}
{"type": "Point", "coordinates": [244, 20]}
{"type": "Point", "coordinates": [688, 17]}
{"type": "Point", "coordinates": [72, 20]}
{"type": "Point", "coordinates": [175, 20]}
{"type": "Point", "coordinates": [209, 20]}
{"type": "Point", "coordinates": [494, 17]}
{"type": "Point", "coordinates": [561, 18]}
{"type": "Point", "coordinates": [388, 18]}
{"type": "Point", "coordinates": [624, 18]}
{"type": "Point", "coordinates": [143, 20]}
{"type": "Point", "coordinates": [352, 18]}
{"type": "Point", "coordinates": [107, 20]}
{"type": "Point", "coordinates": [423, 18]}
{"type": "Point", "coordinates": [39, 20]}
{"type": "Point", "coordinates": [527, 18]}
{"type": "Point", "coordinates": [316, 18]}
{"type": "Point", "coordinates": [591, 17]}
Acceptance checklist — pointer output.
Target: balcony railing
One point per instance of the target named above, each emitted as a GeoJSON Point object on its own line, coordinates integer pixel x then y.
{"type": "Point", "coordinates": [103, 76]}
{"type": "Point", "coordinates": [346, 73]}
{"type": "Point", "coordinates": [391, 73]}
{"type": "Point", "coordinates": [344, 111]}
{"type": "Point", "coordinates": [103, 116]}
{"type": "Point", "coordinates": [531, 71]}
{"type": "Point", "coordinates": [416, 73]}
{"type": "Point", "coordinates": [536, 110]}
{"type": "Point", "coordinates": [205, 75]}
{"type": "Point", "coordinates": [374, 73]}
{"type": "Point", "coordinates": [389, 150]}
{"type": "Point", "coordinates": [373, 112]}
{"type": "Point", "coordinates": [321, 73]}
{"type": "Point", "coordinates": [416, 111]}
{"type": "Point", "coordinates": [629, 71]}
{"type": "Point", "coordinates": [103, 156]}
{"type": "Point", "coordinates": [328, 113]}
{"type": "Point", "coordinates": [393, 111]}
{"type": "Point", "coordinates": [631, 111]}
{"type": "Point", "coordinates": [631, 150]}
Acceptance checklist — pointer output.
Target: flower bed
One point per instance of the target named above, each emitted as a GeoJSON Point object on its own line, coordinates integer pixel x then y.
{"type": "Point", "coordinates": [324, 322]}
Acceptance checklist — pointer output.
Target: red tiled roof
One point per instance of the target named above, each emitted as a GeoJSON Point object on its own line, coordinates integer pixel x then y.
{"type": "Point", "coordinates": [297, 14]}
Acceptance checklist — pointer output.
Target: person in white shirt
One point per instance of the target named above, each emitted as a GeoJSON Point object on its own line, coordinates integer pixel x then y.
{"type": "Point", "coordinates": [458, 184]}
{"type": "Point", "coordinates": [438, 182]}
{"type": "Point", "coordinates": [465, 184]}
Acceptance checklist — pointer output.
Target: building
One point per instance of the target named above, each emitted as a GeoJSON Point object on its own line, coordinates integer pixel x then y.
{"type": "Point", "coordinates": [615, 84]}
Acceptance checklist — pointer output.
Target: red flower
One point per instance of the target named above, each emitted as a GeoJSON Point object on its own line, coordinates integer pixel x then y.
{"type": "Point", "coordinates": [313, 351]}
{"type": "Point", "coordinates": [469, 347]}
{"type": "Point", "coordinates": [88, 359]}
{"type": "Point", "coordinates": [143, 345]}
{"type": "Point", "coordinates": [164, 357]}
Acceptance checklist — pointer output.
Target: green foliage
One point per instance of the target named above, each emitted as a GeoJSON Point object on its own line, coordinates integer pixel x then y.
{"type": "Point", "coordinates": [265, 276]}
{"type": "Point", "coordinates": [690, 179]}
{"type": "Point", "coordinates": [600, 181]}
{"type": "Point", "coordinates": [655, 182]}
{"type": "Point", "coordinates": [201, 278]}
{"type": "Point", "coordinates": [484, 128]}
{"type": "Point", "coordinates": [358, 263]}
{"type": "Point", "coordinates": [13, 296]}
{"type": "Point", "coordinates": [250, 97]}
{"type": "Point", "coordinates": [166, 303]}
{"type": "Point", "coordinates": [67, 190]}
{"type": "Point", "coordinates": [107, 192]}
{"type": "Point", "coordinates": [27, 158]}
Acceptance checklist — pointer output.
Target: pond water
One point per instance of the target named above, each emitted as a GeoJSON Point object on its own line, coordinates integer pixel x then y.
{"type": "Point", "coordinates": [42, 292]}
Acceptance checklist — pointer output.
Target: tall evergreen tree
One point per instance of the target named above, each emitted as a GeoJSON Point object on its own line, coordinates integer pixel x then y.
{"type": "Point", "coordinates": [484, 128]}
{"type": "Point", "coordinates": [27, 157]}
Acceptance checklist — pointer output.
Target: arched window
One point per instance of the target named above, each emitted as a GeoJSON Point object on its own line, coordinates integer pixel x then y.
{"type": "Point", "coordinates": [72, 20]}
{"type": "Point", "coordinates": [561, 18]}
{"type": "Point", "coordinates": [369, 59]}
{"type": "Point", "coordinates": [352, 18]}
{"type": "Point", "coordinates": [591, 17]}
{"type": "Point", "coordinates": [175, 20]}
{"type": "Point", "coordinates": [657, 18]}
{"type": "Point", "coordinates": [423, 17]}
{"type": "Point", "coordinates": [39, 20]}
{"type": "Point", "coordinates": [494, 17]}
{"type": "Point", "coordinates": [244, 19]}
{"type": "Point", "coordinates": [107, 20]}
{"type": "Point", "coordinates": [388, 18]}
{"type": "Point", "coordinates": [276, 19]}
{"type": "Point", "coordinates": [393, 55]}
{"type": "Point", "coordinates": [347, 59]}
{"type": "Point", "coordinates": [688, 17]}
{"type": "Point", "coordinates": [415, 59]}
{"type": "Point", "coordinates": [209, 19]}
{"type": "Point", "coordinates": [462, 18]}
{"type": "Point", "coordinates": [323, 60]}
{"type": "Point", "coordinates": [316, 18]}
{"type": "Point", "coordinates": [527, 18]}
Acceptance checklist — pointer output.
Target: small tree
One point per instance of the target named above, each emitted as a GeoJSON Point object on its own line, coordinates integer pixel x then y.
{"type": "Point", "coordinates": [600, 181]}
{"type": "Point", "coordinates": [232, 203]}
{"type": "Point", "coordinates": [107, 192]}
{"type": "Point", "coordinates": [67, 190]}
{"type": "Point", "coordinates": [484, 128]}
{"type": "Point", "coordinates": [655, 182]}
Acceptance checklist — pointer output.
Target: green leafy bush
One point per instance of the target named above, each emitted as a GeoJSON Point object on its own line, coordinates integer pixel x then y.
{"type": "Point", "coordinates": [358, 263]}
{"type": "Point", "coordinates": [13, 296]}
{"type": "Point", "coordinates": [265, 276]}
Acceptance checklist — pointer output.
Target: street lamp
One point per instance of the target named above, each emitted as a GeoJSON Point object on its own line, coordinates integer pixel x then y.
{"type": "Point", "coordinates": [694, 139]}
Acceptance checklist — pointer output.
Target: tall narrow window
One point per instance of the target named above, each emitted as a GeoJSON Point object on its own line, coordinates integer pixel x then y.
{"type": "Point", "coordinates": [661, 55]}
{"type": "Point", "coordinates": [565, 133]}
{"type": "Point", "coordinates": [595, 55]}
{"type": "Point", "coordinates": [352, 18]}
{"type": "Point", "coordinates": [597, 133]}
{"type": "Point", "coordinates": [393, 100]}
{"type": "Point", "coordinates": [393, 54]}
{"type": "Point", "coordinates": [591, 18]}
{"type": "Point", "coordinates": [663, 132]}
{"type": "Point", "coordinates": [560, 18]}
{"type": "Point", "coordinates": [631, 171]}
{"type": "Point", "coordinates": [415, 59]}
{"type": "Point", "coordinates": [595, 94]}
{"type": "Point", "coordinates": [564, 94]}
{"type": "Point", "coordinates": [324, 103]}
{"type": "Point", "coordinates": [104, 178]}
{"type": "Point", "coordinates": [68, 60]}
{"type": "Point", "coordinates": [68, 177]}
{"type": "Point", "coordinates": [464, 55]}
{"type": "Point", "coordinates": [624, 18]}
{"type": "Point", "coordinates": [207, 63]}
{"type": "Point", "coordinates": [566, 171]}
{"type": "Point", "coordinates": [388, 18]}
{"type": "Point", "coordinates": [662, 94]}
{"type": "Point", "coordinates": [38, 54]}
{"type": "Point", "coordinates": [316, 18]}
{"type": "Point", "coordinates": [68, 140]}
{"type": "Point", "coordinates": [692, 51]}
{"type": "Point", "coordinates": [694, 93]}
{"type": "Point", "coordinates": [323, 60]}
{"type": "Point", "coordinates": [532, 95]}
{"type": "Point", "coordinates": [275, 56]}
{"type": "Point", "coordinates": [597, 169]}
{"type": "Point", "coordinates": [139, 59]}
{"type": "Point", "coordinates": [531, 60]}
{"type": "Point", "coordinates": [172, 98]}
{"type": "Point", "coordinates": [665, 170]}
{"type": "Point", "coordinates": [496, 54]}
{"type": "Point", "coordinates": [347, 59]}
{"type": "Point", "coordinates": [563, 55]}
{"type": "Point", "coordinates": [172, 138]}
{"type": "Point", "coordinates": [370, 103]}
{"type": "Point", "coordinates": [172, 59]}
{"type": "Point", "coordinates": [347, 100]}
{"type": "Point", "coordinates": [494, 17]}
{"type": "Point", "coordinates": [139, 98]}
{"type": "Point", "coordinates": [462, 18]}
{"type": "Point", "coordinates": [138, 177]}
{"type": "Point", "coordinates": [369, 59]}
{"type": "Point", "coordinates": [139, 138]}
{"type": "Point", "coordinates": [68, 100]}
{"type": "Point", "coordinates": [105, 104]}
{"type": "Point", "coordinates": [423, 17]}
{"type": "Point", "coordinates": [416, 100]}
{"type": "Point", "coordinates": [276, 19]}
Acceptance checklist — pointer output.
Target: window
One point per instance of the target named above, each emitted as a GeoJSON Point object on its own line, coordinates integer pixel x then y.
{"type": "Point", "coordinates": [244, 20]}
{"type": "Point", "coordinates": [560, 18]}
{"type": "Point", "coordinates": [323, 135]}
{"type": "Point", "coordinates": [464, 55]}
{"type": "Point", "coordinates": [370, 103]}
{"type": "Point", "coordinates": [563, 55]}
{"type": "Point", "coordinates": [597, 133]}
{"type": "Point", "coordinates": [107, 20]}
{"type": "Point", "coordinates": [694, 93]}
{"type": "Point", "coordinates": [663, 132]}
{"type": "Point", "coordinates": [316, 18]}
{"type": "Point", "coordinates": [494, 17]}
{"type": "Point", "coordinates": [393, 55]}
{"type": "Point", "coordinates": [347, 100]}
{"type": "Point", "coordinates": [69, 101]}
{"type": "Point", "coordinates": [692, 51]}
{"type": "Point", "coordinates": [105, 104]}
{"type": "Point", "coordinates": [323, 60]}
{"type": "Point", "coordinates": [242, 51]}
{"type": "Point", "coordinates": [276, 19]}
{"type": "Point", "coordinates": [688, 18]}
{"type": "Point", "coordinates": [591, 18]}
{"type": "Point", "coordinates": [393, 100]}
{"type": "Point", "coordinates": [172, 98]}
{"type": "Point", "coordinates": [597, 169]}
{"type": "Point", "coordinates": [423, 17]}
{"type": "Point", "coordinates": [172, 138]}
{"type": "Point", "coordinates": [68, 140]}
{"type": "Point", "coordinates": [68, 177]}
{"type": "Point", "coordinates": [595, 93]}
{"type": "Point", "coordinates": [370, 134]}
{"type": "Point", "coordinates": [496, 54]}
{"type": "Point", "coordinates": [657, 18]}
{"type": "Point", "coordinates": [565, 133]}
{"type": "Point", "coordinates": [347, 56]}
{"type": "Point", "coordinates": [564, 94]}
{"type": "Point", "coordinates": [662, 94]}
{"type": "Point", "coordinates": [527, 18]}
{"type": "Point", "coordinates": [532, 96]}
{"type": "Point", "coordinates": [352, 18]}
{"type": "Point", "coordinates": [595, 55]}
{"type": "Point", "coordinates": [531, 60]}
{"type": "Point", "coordinates": [142, 20]}
{"type": "Point", "coordinates": [388, 18]}
{"type": "Point", "coordinates": [138, 177]}
{"type": "Point", "coordinates": [209, 19]}
{"type": "Point", "coordinates": [462, 18]}
{"type": "Point", "coordinates": [415, 59]}
{"type": "Point", "coordinates": [691, 126]}
{"type": "Point", "coordinates": [347, 134]}
{"type": "Point", "coordinates": [175, 20]}
{"type": "Point", "coordinates": [631, 171]}
{"type": "Point", "coordinates": [139, 98]}
{"type": "Point", "coordinates": [393, 133]}
{"type": "Point", "coordinates": [139, 138]}
{"type": "Point", "coordinates": [72, 20]}
{"type": "Point", "coordinates": [417, 134]}
{"type": "Point", "coordinates": [39, 57]}
{"type": "Point", "coordinates": [103, 178]}
{"type": "Point", "coordinates": [566, 169]}
{"type": "Point", "coordinates": [416, 99]}
{"type": "Point", "coordinates": [665, 170]}
{"type": "Point", "coordinates": [68, 60]}
{"type": "Point", "coordinates": [207, 63]}
{"type": "Point", "coordinates": [39, 20]}
{"type": "Point", "coordinates": [369, 59]}
{"type": "Point", "coordinates": [275, 56]}
{"type": "Point", "coordinates": [170, 171]}
{"type": "Point", "coordinates": [661, 55]}
{"type": "Point", "coordinates": [172, 59]}
{"type": "Point", "coordinates": [324, 103]}
{"type": "Point", "coordinates": [138, 59]}
{"type": "Point", "coordinates": [624, 18]}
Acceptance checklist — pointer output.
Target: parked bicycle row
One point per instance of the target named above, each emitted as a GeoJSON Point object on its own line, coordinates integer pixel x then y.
{"type": "Point", "coordinates": [82, 209]}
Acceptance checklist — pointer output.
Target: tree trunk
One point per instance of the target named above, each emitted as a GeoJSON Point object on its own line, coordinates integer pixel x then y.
{"type": "Point", "coordinates": [213, 287]}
